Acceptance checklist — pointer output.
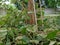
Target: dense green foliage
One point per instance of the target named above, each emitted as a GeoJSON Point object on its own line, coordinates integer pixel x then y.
{"type": "Point", "coordinates": [52, 3]}
{"type": "Point", "coordinates": [15, 31]}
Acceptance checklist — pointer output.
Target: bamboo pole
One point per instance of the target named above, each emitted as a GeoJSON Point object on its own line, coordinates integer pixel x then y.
{"type": "Point", "coordinates": [35, 15]}
{"type": "Point", "coordinates": [35, 12]}
{"type": "Point", "coordinates": [41, 13]}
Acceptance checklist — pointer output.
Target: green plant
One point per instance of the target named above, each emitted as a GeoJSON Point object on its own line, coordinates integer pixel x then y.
{"type": "Point", "coordinates": [17, 32]}
{"type": "Point", "coordinates": [49, 2]}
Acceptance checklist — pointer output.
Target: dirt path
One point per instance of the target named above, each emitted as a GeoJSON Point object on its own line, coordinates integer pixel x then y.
{"type": "Point", "coordinates": [50, 11]}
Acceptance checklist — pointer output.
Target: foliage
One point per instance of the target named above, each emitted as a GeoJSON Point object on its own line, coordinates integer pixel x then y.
{"type": "Point", "coordinates": [53, 2]}
{"type": "Point", "coordinates": [17, 32]}
{"type": "Point", "coordinates": [52, 22]}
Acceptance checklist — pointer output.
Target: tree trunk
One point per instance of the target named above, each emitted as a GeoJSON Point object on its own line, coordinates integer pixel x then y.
{"type": "Point", "coordinates": [31, 12]}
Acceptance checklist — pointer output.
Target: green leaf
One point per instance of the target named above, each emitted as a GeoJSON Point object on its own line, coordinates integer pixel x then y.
{"type": "Point", "coordinates": [8, 42]}
{"type": "Point", "coordinates": [11, 34]}
{"type": "Point", "coordinates": [25, 39]}
{"type": "Point", "coordinates": [52, 34]}
{"type": "Point", "coordinates": [34, 41]}
{"type": "Point", "coordinates": [52, 42]}
{"type": "Point", "coordinates": [23, 30]}
{"type": "Point", "coordinates": [3, 33]}
{"type": "Point", "coordinates": [13, 1]}
{"type": "Point", "coordinates": [1, 43]}
{"type": "Point", "coordinates": [26, 1]}
{"type": "Point", "coordinates": [39, 38]}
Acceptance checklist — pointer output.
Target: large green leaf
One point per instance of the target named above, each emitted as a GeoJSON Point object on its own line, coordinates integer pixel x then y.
{"type": "Point", "coordinates": [34, 41]}
{"type": "Point", "coordinates": [26, 1]}
{"type": "Point", "coordinates": [11, 34]}
{"type": "Point", "coordinates": [3, 33]}
{"type": "Point", "coordinates": [1, 43]}
{"type": "Point", "coordinates": [22, 39]}
{"type": "Point", "coordinates": [25, 39]}
{"type": "Point", "coordinates": [23, 30]}
{"type": "Point", "coordinates": [8, 42]}
{"type": "Point", "coordinates": [52, 35]}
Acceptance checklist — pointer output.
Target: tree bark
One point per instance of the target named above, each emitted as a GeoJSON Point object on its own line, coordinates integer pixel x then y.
{"type": "Point", "coordinates": [31, 12]}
